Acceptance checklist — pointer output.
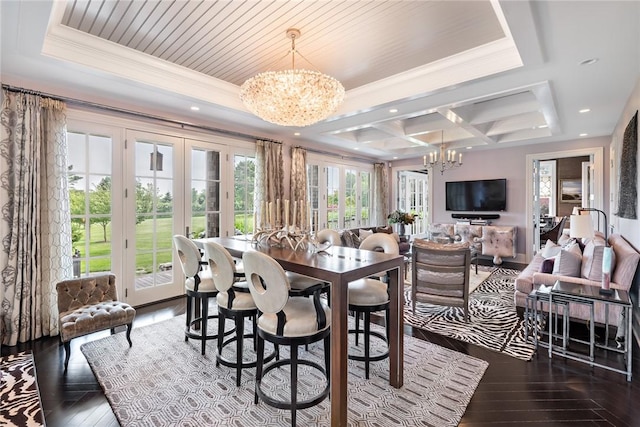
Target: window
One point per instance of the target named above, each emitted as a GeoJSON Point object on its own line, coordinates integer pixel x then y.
{"type": "Point", "coordinates": [90, 196]}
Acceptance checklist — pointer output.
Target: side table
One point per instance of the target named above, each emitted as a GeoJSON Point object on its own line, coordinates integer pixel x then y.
{"type": "Point", "coordinates": [566, 292]}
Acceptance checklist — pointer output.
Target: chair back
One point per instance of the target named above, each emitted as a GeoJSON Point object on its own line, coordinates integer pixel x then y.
{"type": "Point", "coordinates": [329, 235]}
{"type": "Point", "coordinates": [75, 293]}
{"type": "Point", "coordinates": [381, 242]}
{"type": "Point", "coordinates": [441, 274]}
{"type": "Point", "coordinates": [555, 232]}
{"type": "Point", "coordinates": [267, 281]}
{"type": "Point", "coordinates": [221, 265]}
{"type": "Point", "coordinates": [189, 255]}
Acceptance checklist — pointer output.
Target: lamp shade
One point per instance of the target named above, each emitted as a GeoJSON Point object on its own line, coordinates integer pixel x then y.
{"type": "Point", "coordinates": [581, 227]}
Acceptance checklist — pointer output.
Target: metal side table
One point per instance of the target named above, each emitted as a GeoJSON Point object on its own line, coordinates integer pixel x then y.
{"type": "Point", "coordinates": [566, 292]}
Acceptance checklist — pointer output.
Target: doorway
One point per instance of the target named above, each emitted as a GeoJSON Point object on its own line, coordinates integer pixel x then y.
{"type": "Point", "coordinates": [579, 182]}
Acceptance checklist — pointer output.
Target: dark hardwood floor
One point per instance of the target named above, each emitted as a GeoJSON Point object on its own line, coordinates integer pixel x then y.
{"type": "Point", "coordinates": [541, 392]}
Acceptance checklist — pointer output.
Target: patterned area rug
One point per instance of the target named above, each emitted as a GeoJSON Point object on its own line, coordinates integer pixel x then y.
{"type": "Point", "coordinates": [163, 381]}
{"type": "Point", "coordinates": [19, 396]}
{"type": "Point", "coordinates": [493, 321]}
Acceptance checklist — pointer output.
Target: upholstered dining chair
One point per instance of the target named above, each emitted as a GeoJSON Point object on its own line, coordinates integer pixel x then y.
{"type": "Point", "coordinates": [440, 274]}
{"type": "Point", "coordinates": [90, 304]}
{"type": "Point", "coordinates": [234, 302]}
{"type": "Point", "coordinates": [199, 288]}
{"type": "Point", "coordinates": [370, 295]}
{"type": "Point", "coordinates": [286, 321]}
{"type": "Point", "coordinates": [328, 235]}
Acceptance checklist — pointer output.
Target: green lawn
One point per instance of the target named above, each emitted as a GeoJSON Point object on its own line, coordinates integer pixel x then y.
{"type": "Point", "coordinates": [100, 251]}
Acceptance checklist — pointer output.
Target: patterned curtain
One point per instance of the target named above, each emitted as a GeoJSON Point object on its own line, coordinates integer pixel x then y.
{"type": "Point", "coordinates": [380, 190]}
{"type": "Point", "coordinates": [269, 180]}
{"type": "Point", "coordinates": [35, 222]}
{"type": "Point", "coordinates": [299, 181]}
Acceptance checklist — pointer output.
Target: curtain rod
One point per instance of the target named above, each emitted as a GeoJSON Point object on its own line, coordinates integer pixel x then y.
{"type": "Point", "coordinates": [328, 153]}
{"type": "Point", "coordinates": [94, 105]}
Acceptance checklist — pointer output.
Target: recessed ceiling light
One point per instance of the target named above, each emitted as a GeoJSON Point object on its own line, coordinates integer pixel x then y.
{"type": "Point", "coordinates": [543, 126]}
{"type": "Point", "coordinates": [297, 134]}
{"type": "Point", "coordinates": [395, 157]}
{"type": "Point", "coordinates": [469, 148]}
{"type": "Point", "coordinates": [589, 61]}
{"type": "Point", "coordinates": [584, 110]}
{"type": "Point", "coordinates": [194, 108]}
{"type": "Point", "coordinates": [356, 148]}
{"type": "Point", "coordinates": [393, 110]}
{"type": "Point", "coordinates": [584, 134]}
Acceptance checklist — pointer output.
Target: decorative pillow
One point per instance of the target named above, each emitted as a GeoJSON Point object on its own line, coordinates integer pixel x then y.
{"type": "Point", "coordinates": [563, 239]}
{"type": "Point", "coordinates": [386, 229]}
{"type": "Point", "coordinates": [364, 234]}
{"type": "Point", "coordinates": [349, 239]}
{"type": "Point", "coordinates": [547, 265]}
{"type": "Point", "coordinates": [568, 262]}
{"type": "Point", "coordinates": [592, 259]}
{"type": "Point", "coordinates": [550, 250]}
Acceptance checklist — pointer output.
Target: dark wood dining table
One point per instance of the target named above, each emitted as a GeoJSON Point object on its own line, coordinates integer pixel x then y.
{"type": "Point", "coordinates": [339, 266]}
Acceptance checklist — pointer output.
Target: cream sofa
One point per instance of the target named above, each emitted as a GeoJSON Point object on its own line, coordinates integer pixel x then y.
{"type": "Point", "coordinates": [624, 270]}
{"type": "Point", "coordinates": [492, 240]}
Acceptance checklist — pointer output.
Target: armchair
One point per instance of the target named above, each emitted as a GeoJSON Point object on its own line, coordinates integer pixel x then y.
{"type": "Point", "coordinates": [441, 274]}
{"type": "Point", "coordinates": [90, 304]}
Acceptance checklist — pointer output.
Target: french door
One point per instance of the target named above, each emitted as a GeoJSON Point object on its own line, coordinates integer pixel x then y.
{"type": "Point", "coordinates": [173, 187]}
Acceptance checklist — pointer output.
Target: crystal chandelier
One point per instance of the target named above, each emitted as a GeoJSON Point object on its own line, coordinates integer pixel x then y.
{"type": "Point", "coordinates": [292, 97]}
{"type": "Point", "coordinates": [446, 159]}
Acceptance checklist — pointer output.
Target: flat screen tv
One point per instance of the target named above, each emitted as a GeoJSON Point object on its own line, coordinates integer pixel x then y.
{"type": "Point", "coordinates": [477, 196]}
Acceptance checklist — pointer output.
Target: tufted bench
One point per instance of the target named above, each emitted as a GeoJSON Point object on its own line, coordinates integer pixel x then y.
{"type": "Point", "coordinates": [90, 304]}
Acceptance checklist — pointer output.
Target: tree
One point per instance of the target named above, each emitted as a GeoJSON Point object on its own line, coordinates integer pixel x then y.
{"type": "Point", "coordinates": [100, 204]}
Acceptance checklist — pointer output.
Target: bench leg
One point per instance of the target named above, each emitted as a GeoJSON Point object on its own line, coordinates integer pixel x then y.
{"type": "Point", "coordinates": [129, 327]}
{"type": "Point", "coordinates": [67, 351]}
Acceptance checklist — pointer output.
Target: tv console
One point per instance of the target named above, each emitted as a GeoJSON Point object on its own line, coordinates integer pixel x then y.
{"type": "Point", "coordinates": [471, 216]}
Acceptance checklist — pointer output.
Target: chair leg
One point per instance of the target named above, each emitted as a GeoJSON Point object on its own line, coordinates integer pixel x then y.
{"type": "Point", "coordinates": [221, 327]}
{"type": "Point", "coordinates": [129, 327]}
{"type": "Point", "coordinates": [367, 341]}
{"type": "Point", "coordinates": [203, 324]}
{"type": "Point", "coordinates": [294, 383]}
{"type": "Point", "coordinates": [259, 366]}
{"type": "Point", "coordinates": [327, 356]}
{"type": "Point", "coordinates": [189, 308]}
{"type": "Point", "coordinates": [357, 326]}
{"type": "Point", "coordinates": [239, 343]}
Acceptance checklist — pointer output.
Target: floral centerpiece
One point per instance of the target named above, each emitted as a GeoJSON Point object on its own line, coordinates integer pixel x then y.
{"type": "Point", "coordinates": [402, 218]}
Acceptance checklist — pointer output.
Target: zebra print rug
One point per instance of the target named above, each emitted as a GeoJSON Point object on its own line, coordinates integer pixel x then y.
{"type": "Point", "coordinates": [163, 381]}
{"type": "Point", "coordinates": [493, 321]}
{"type": "Point", "coordinates": [19, 395]}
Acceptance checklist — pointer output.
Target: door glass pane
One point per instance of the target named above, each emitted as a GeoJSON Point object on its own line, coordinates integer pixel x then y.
{"type": "Point", "coordinates": [365, 198]}
{"type": "Point", "coordinates": [205, 193]}
{"type": "Point", "coordinates": [333, 197]}
{"type": "Point", "coordinates": [90, 196]}
{"type": "Point", "coordinates": [350, 198]}
{"type": "Point", "coordinates": [154, 213]}
{"type": "Point", "coordinates": [313, 192]}
{"type": "Point", "coordinates": [244, 168]}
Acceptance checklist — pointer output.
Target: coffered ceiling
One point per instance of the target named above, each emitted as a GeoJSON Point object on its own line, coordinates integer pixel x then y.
{"type": "Point", "coordinates": [476, 74]}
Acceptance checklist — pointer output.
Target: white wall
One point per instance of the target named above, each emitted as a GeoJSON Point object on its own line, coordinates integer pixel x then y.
{"type": "Point", "coordinates": [629, 228]}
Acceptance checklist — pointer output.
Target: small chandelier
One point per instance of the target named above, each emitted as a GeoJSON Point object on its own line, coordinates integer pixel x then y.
{"type": "Point", "coordinates": [446, 160]}
{"type": "Point", "coordinates": [292, 97]}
